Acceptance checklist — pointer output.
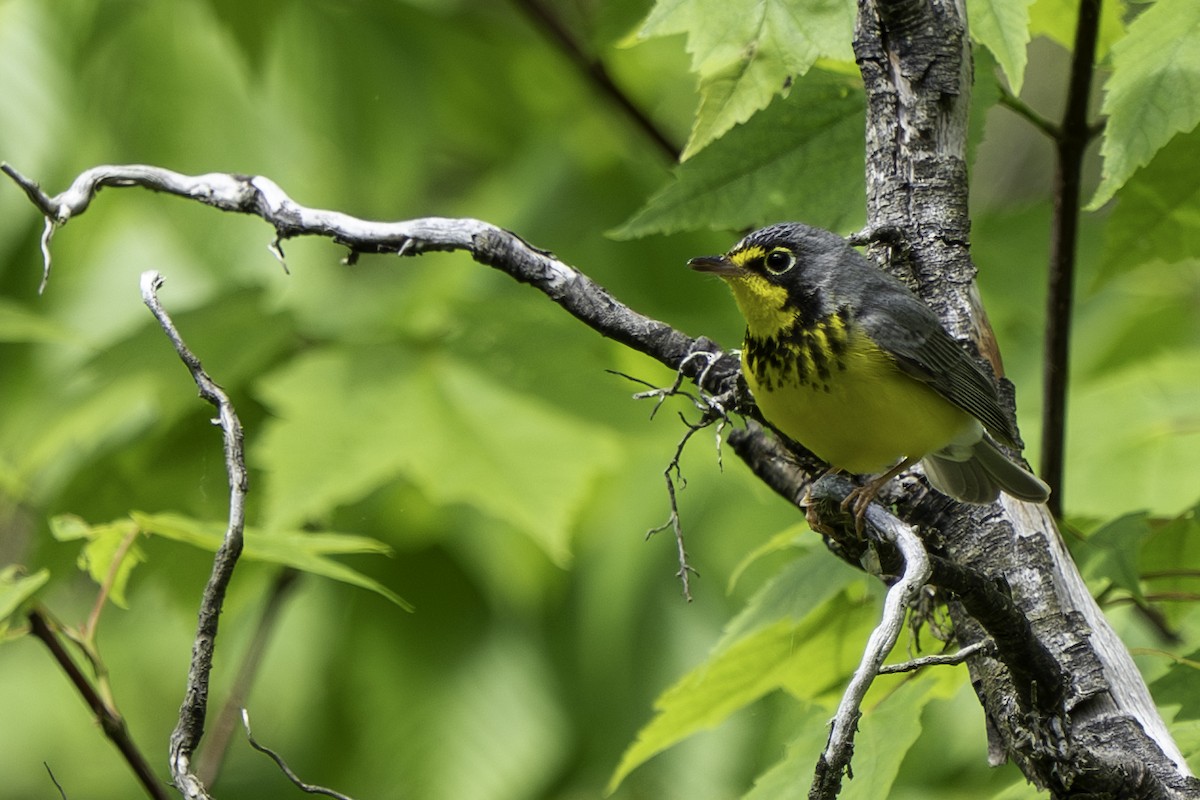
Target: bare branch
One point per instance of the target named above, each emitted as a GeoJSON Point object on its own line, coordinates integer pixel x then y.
{"type": "Point", "coordinates": [698, 359]}
{"type": "Point", "coordinates": [486, 243]}
{"type": "Point", "coordinates": [187, 733]}
{"type": "Point", "coordinates": [835, 760]}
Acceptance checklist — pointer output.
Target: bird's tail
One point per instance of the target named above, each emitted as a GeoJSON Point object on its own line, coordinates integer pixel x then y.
{"type": "Point", "coordinates": [978, 474]}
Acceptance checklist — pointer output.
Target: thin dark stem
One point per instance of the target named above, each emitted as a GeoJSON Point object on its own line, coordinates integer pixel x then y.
{"type": "Point", "coordinates": [1026, 112]}
{"type": "Point", "coordinates": [594, 70]}
{"type": "Point", "coordinates": [110, 721]}
{"type": "Point", "coordinates": [54, 780]}
{"type": "Point", "coordinates": [1073, 137]}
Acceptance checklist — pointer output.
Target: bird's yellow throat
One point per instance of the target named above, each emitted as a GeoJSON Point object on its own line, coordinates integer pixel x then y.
{"type": "Point", "coordinates": [763, 304]}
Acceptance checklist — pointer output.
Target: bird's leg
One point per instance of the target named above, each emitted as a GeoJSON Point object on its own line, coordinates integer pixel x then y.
{"type": "Point", "coordinates": [860, 497]}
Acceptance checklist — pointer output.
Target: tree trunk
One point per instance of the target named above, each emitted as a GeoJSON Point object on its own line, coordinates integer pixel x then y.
{"type": "Point", "coordinates": [1062, 696]}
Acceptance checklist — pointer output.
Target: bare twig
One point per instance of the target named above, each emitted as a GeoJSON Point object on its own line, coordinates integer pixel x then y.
{"type": "Point", "coordinates": [672, 474]}
{"type": "Point", "coordinates": [54, 780]}
{"type": "Point", "coordinates": [835, 760]}
{"type": "Point", "coordinates": [942, 659]}
{"type": "Point", "coordinates": [110, 721]}
{"type": "Point", "coordinates": [291, 776]}
{"type": "Point", "coordinates": [208, 765]}
{"type": "Point", "coordinates": [713, 411]}
{"type": "Point", "coordinates": [187, 733]}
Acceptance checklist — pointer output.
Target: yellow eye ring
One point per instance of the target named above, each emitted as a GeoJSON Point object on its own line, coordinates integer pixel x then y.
{"type": "Point", "coordinates": [779, 260]}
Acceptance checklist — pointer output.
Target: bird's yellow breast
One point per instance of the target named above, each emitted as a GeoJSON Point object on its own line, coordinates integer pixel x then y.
{"type": "Point", "coordinates": [830, 388]}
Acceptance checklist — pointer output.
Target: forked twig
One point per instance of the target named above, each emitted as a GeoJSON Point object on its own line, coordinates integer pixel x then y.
{"type": "Point", "coordinates": [713, 410]}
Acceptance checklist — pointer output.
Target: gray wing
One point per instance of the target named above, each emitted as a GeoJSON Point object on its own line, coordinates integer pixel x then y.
{"type": "Point", "coordinates": [923, 350]}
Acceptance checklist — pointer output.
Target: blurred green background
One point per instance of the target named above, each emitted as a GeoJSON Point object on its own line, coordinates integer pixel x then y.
{"type": "Point", "coordinates": [456, 416]}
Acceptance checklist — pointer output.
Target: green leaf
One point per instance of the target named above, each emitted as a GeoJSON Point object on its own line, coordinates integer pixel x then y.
{"type": "Point", "coordinates": [1022, 789]}
{"type": "Point", "coordinates": [807, 659]}
{"type": "Point", "coordinates": [792, 775]}
{"type": "Point", "coordinates": [15, 591]}
{"type": "Point", "coordinates": [802, 158]}
{"type": "Point", "coordinates": [1153, 454]}
{"type": "Point", "coordinates": [790, 538]}
{"type": "Point", "coordinates": [105, 544]}
{"type": "Point", "coordinates": [349, 421]}
{"type": "Point", "coordinates": [1056, 20]}
{"type": "Point", "coordinates": [498, 730]}
{"type": "Point", "coordinates": [19, 324]}
{"type": "Point", "coordinates": [1177, 686]}
{"type": "Point", "coordinates": [747, 52]}
{"type": "Point", "coordinates": [1170, 561]}
{"type": "Point", "coordinates": [307, 551]}
{"type": "Point", "coordinates": [1157, 217]}
{"type": "Point", "coordinates": [985, 94]}
{"type": "Point", "coordinates": [800, 587]}
{"type": "Point", "coordinates": [1111, 553]}
{"type": "Point", "coordinates": [1002, 26]}
{"type": "Point", "coordinates": [1153, 93]}
{"type": "Point", "coordinates": [886, 732]}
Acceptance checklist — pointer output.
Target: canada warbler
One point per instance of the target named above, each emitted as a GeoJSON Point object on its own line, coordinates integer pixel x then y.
{"type": "Point", "coordinates": [844, 359]}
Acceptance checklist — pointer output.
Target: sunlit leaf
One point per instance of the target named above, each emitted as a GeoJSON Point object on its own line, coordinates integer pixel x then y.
{"type": "Point", "coordinates": [747, 52]}
{"type": "Point", "coordinates": [303, 550]}
{"type": "Point", "coordinates": [1170, 562]}
{"type": "Point", "coordinates": [808, 658]}
{"type": "Point", "coordinates": [885, 734]}
{"type": "Point", "coordinates": [800, 587]}
{"type": "Point", "coordinates": [1110, 554]}
{"type": "Point", "coordinates": [789, 538]}
{"type": "Point", "coordinates": [1056, 19]}
{"type": "Point", "coordinates": [801, 158]}
{"type": "Point", "coordinates": [1157, 217]}
{"type": "Point", "coordinates": [348, 421]}
{"type": "Point", "coordinates": [1002, 26]}
{"type": "Point", "coordinates": [1177, 686]}
{"type": "Point", "coordinates": [109, 554]}
{"type": "Point", "coordinates": [1153, 455]}
{"type": "Point", "coordinates": [1153, 92]}
{"type": "Point", "coordinates": [16, 588]}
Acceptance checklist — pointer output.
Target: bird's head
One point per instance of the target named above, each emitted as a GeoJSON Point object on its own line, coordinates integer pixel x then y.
{"type": "Point", "coordinates": [777, 272]}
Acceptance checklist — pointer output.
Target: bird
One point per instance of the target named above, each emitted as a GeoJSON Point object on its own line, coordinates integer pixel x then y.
{"type": "Point", "coordinates": [846, 360]}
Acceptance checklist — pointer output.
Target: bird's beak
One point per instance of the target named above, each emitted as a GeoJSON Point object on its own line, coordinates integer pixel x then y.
{"type": "Point", "coordinates": [718, 265]}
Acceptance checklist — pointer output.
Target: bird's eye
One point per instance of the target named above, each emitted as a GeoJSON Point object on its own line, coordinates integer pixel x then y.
{"type": "Point", "coordinates": [779, 260]}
